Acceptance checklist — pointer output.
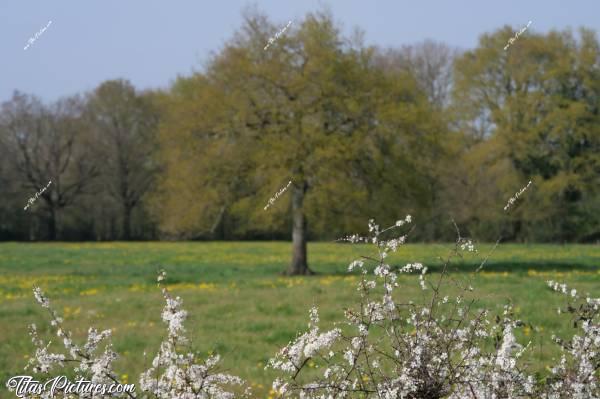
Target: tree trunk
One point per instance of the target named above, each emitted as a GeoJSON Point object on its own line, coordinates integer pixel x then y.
{"type": "Point", "coordinates": [127, 223]}
{"type": "Point", "coordinates": [299, 265]}
{"type": "Point", "coordinates": [52, 229]}
{"type": "Point", "coordinates": [219, 223]}
{"type": "Point", "coordinates": [113, 229]}
{"type": "Point", "coordinates": [517, 231]}
{"type": "Point", "coordinates": [34, 228]}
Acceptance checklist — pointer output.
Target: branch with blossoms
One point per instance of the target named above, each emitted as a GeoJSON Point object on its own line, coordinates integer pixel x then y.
{"type": "Point", "coordinates": [576, 374]}
{"type": "Point", "coordinates": [405, 350]}
{"type": "Point", "coordinates": [182, 374]}
{"type": "Point", "coordinates": [438, 348]}
{"type": "Point", "coordinates": [173, 374]}
{"type": "Point", "coordinates": [96, 366]}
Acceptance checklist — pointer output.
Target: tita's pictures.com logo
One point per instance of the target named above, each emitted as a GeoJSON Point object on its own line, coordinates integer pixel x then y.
{"type": "Point", "coordinates": [38, 34]}
{"type": "Point", "coordinates": [25, 385]}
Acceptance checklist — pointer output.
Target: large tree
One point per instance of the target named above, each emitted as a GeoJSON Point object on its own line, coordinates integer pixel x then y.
{"type": "Point", "coordinates": [313, 108]}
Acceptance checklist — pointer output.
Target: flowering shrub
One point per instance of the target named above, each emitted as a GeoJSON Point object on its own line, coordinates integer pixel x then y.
{"type": "Point", "coordinates": [432, 350]}
{"type": "Point", "coordinates": [172, 375]}
{"type": "Point", "coordinates": [576, 376]}
{"type": "Point", "coordinates": [445, 346]}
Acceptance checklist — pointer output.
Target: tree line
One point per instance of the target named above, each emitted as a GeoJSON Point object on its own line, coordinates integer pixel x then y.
{"type": "Point", "coordinates": [361, 131]}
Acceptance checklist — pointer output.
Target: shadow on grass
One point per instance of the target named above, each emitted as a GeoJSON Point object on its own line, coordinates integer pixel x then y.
{"type": "Point", "coordinates": [201, 273]}
{"type": "Point", "coordinates": [490, 266]}
{"type": "Point", "coordinates": [519, 266]}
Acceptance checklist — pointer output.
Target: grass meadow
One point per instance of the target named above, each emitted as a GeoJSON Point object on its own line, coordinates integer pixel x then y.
{"type": "Point", "coordinates": [239, 306]}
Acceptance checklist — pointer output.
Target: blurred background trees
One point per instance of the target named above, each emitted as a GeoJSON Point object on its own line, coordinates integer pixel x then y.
{"type": "Point", "coordinates": [539, 104]}
{"type": "Point", "coordinates": [46, 144]}
{"type": "Point", "coordinates": [362, 132]}
{"type": "Point", "coordinates": [123, 128]}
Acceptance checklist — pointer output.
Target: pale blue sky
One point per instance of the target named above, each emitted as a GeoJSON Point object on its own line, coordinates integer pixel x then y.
{"type": "Point", "coordinates": [150, 42]}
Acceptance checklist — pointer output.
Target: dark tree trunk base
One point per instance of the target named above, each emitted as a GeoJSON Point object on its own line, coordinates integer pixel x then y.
{"type": "Point", "coordinates": [304, 272]}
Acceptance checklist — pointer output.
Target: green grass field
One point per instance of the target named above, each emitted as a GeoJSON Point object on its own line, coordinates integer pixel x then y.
{"type": "Point", "coordinates": [238, 304]}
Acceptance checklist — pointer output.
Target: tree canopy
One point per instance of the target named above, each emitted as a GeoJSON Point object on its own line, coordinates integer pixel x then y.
{"type": "Point", "coordinates": [361, 131]}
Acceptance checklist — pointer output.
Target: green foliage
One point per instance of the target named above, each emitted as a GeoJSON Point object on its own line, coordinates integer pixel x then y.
{"type": "Point", "coordinates": [312, 108]}
{"type": "Point", "coordinates": [538, 105]}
